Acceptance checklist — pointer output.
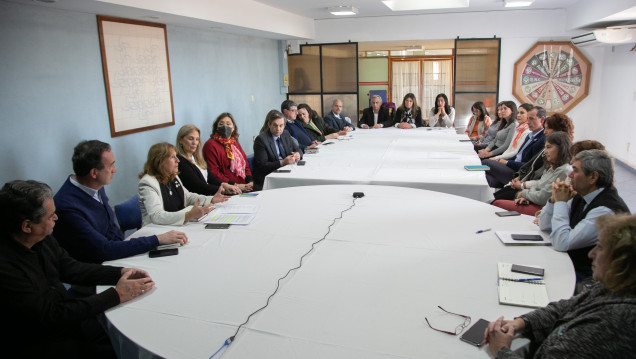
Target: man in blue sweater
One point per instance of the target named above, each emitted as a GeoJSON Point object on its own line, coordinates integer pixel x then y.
{"type": "Point", "coordinates": [86, 226]}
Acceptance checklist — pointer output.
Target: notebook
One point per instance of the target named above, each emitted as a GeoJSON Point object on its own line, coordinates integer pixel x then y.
{"type": "Point", "coordinates": [524, 294]}
{"type": "Point", "coordinates": [477, 168]}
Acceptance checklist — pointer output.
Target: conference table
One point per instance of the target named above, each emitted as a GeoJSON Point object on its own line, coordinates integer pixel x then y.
{"type": "Point", "coordinates": [362, 292]}
{"type": "Point", "coordinates": [425, 158]}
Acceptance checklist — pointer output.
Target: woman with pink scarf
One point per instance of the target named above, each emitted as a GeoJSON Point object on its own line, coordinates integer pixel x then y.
{"type": "Point", "coordinates": [225, 157]}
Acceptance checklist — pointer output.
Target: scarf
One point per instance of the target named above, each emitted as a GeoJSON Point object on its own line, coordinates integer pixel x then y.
{"type": "Point", "coordinates": [237, 162]}
{"type": "Point", "coordinates": [520, 129]}
{"type": "Point", "coordinates": [314, 127]}
{"type": "Point", "coordinates": [482, 126]}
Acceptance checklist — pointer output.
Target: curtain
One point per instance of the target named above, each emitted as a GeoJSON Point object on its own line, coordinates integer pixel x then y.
{"type": "Point", "coordinates": [436, 80]}
{"type": "Point", "coordinates": [405, 78]}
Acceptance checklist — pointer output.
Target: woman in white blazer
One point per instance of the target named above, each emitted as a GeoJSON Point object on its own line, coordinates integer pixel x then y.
{"type": "Point", "coordinates": [162, 196]}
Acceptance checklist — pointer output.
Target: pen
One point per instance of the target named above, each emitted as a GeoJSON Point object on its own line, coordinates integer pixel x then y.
{"type": "Point", "coordinates": [528, 279]}
{"type": "Point", "coordinates": [483, 230]}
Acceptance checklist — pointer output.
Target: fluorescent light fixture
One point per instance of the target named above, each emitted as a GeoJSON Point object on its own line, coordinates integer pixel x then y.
{"type": "Point", "coordinates": [406, 5]}
{"type": "Point", "coordinates": [414, 48]}
{"type": "Point", "coordinates": [518, 3]}
{"type": "Point", "coordinates": [343, 10]}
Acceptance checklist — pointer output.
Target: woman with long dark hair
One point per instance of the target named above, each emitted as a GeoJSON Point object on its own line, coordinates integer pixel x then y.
{"type": "Point", "coordinates": [409, 114]}
{"type": "Point", "coordinates": [505, 132]}
{"type": "Point", "coordinates": [442, 114]}
{"type": "Point", "coordinates": [479, 122]}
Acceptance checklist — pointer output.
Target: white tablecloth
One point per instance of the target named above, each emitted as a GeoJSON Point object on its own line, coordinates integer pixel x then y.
{"type": "Point", "coordinates": [424, 158]}
{"type": "Point", "coordinates": [362, 293]}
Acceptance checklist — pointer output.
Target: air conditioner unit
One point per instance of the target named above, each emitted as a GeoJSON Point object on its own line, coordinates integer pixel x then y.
{"type": "Point", "coordinates": [610, 35]}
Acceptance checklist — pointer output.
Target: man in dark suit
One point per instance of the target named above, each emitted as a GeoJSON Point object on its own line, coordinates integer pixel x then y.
{"type": "Point", "coordinates": [502, 171]}
{"type": "Point", "coordinates": [273, 149]}
{"type": "Point", "coordinates": [375, 116]}
{"type": "Point", "coordinates": [336, 119]}
{"type": "Point", "coordinates": [289, 109]}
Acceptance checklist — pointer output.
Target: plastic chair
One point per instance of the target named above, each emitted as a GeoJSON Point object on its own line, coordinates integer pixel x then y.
{"type": "Point", "coordinates": [129, 214]}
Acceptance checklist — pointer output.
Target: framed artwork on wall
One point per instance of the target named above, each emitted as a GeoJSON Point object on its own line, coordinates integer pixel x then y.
{"type": "Point", "coordinates": [553, 75]}
{"type": "Point", "coordinates": [136, 74]}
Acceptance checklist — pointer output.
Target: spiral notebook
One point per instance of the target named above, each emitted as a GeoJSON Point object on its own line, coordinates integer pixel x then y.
{"type": "Point", "coordinates": [524, 294]}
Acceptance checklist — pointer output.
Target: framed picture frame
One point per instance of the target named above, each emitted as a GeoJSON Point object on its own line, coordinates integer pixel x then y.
{"type": "Point", "coordinates": [552, 74]}
{"type": "Point", "coordinates": [136, 75]}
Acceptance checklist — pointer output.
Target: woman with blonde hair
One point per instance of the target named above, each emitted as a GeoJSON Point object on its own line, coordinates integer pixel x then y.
{"type": "Point", "coordinates": [193, 171]}
{"type": "Point", "coordinates": [162, 196]}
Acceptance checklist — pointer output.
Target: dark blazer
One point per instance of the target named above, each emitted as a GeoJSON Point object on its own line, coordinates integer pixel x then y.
{"type": "Point", "coordinates": [296, 130]}
{"type": "Point", "coordinates": [193, 180]}
{"type": "Point", "coordinates": [338, 123]}
{"type": "Point", "coordinates": [265, 156]}
{"type": "Point", "coordinates": [538, 143]}
{"type": "Point", "coordinates": [417, 120]}
{"type": "Point", "coordinates": [322, 126]}
{"type": "Point", "coordinates": [384, 118]}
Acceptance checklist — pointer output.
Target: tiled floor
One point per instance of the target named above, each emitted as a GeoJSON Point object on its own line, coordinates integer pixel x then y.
{"type": "Point", "coordinates": [625, 179]}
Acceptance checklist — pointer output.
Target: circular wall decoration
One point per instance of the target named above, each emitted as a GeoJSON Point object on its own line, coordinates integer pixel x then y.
{"type": "Point", "coordinates": [553, 75]}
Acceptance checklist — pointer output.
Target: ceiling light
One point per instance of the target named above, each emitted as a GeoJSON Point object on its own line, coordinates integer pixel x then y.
{"type": "Point", "coordinates": [343, 10]}
{"type": "Point", "coordinates": [414, 48]}
{"type": "Point", "coordinates": [46, 1]}
{"type": "Point", "coordinates": [518, 3]}
{"type": "Point", "coordinates": [406, 5]}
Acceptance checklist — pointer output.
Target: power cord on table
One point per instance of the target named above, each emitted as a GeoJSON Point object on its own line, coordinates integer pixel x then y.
{"type": "Point", "coordinates": [229, 340]}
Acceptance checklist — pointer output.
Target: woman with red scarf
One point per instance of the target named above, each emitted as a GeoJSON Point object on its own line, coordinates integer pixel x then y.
{"type": "Point", "coordinates": [225, 157]}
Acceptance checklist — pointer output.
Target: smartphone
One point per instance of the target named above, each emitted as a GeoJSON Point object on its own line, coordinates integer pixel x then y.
{"type": "Point", "coordinates": [507, 213]}
{"type": "Point", "coordinates": [163, 252]}
{"type": "Point", "coordinates": [468, 140]}
{"type": "Point", "coordinates": [300, 163]}
{"type": "Point", "coordinates": [526, 237]}
{"type": "Point", "coordinates": [475, 334]}
{"type": "Point", "coordinates": [327, 143]}
{"type": "Point", "coordinates": [217, 226]}
{"type": "Point", "coordinates": [527, 270]}
{"type": "Point", "coordinates": [282, 171]}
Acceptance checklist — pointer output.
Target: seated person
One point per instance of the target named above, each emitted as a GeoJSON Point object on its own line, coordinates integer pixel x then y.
{"type": "Point", "coordinates": [491, 133]}
{"type": "Point", "coordinates": [573, 208]}
{"type": "Point", "coordinates": [521, 132]}
{"type": "Point", "coordinates": [290, 110]}
{"type": "Point", "coordinates": [273, 149]}
{"type": "Point", "coordinates": [409, 114]}
{"type": "Point", "coordinates": [502, 171]}
{"type": "Point", "coordinates": [336, 119]}
{"type": "Point", "coordinates": [86, 224]}
{"type": "Point", "coordinates": [314, 125]}
{"type": "Point", "coordinates": [599, 323]}
{"type": "Point", "coordinates": [533, 169]}
{"type": "Point", "coordinates": [40, 318]}
{"type": "Point", "coordinates": [535, 194]}
{"type": "Point", "coordinates": [442, 114]}
{"type": "Point", "coordinates": [162, 196]}
{"type": "Point", "coordinates": [376, 116]}
{"type": "Point", "coordinates": [479, 122]}
{"type": "Point", "coordinates": [225, 157]}
{"type": "Point", "coordinates": [505, 131]}
{"type": "Point", "coordinates": [193, 171]}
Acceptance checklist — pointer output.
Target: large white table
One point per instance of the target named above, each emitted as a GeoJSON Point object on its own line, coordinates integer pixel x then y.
{"type": "Point", "coordinates": [424, 158]}
{"type": "Point", "coordinates": [362, 293]}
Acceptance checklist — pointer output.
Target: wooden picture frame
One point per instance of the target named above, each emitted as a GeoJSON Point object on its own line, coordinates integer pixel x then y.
{"type": "Point", "coordinates": [136, 75]}
{"type": "Point", "coordinates": [552, 74]}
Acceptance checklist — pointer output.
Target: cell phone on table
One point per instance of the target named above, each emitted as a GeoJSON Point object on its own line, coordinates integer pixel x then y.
{"type": "Point", "coordinates": [163, 252]}
{"type": "Point", "coordinates": [526, 237]}
{"type": "Point", "coordinates": [217, 226]}
{"type": "Point", "coordinates": [475, 334]}
{"type": "Point", "coordinates": [327, 143]}
{"type": "Point", "coordinates": [527, 270]}
{"type": "Point", "coordinates": [300, 163]}
{"type": "Point", "coordinates": [282, 171]}
{"type": "Point", "coordinates": [507, 213]}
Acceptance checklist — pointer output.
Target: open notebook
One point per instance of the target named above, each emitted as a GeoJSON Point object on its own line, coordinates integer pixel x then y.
{"type": "Point", "coordinates": [525, 294]}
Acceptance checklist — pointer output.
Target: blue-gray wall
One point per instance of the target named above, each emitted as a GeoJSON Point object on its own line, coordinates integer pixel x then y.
{"type": "Point", "coordinates": [52, 92]}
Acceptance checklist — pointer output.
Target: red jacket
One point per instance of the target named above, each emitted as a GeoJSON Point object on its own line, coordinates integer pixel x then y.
{"type": "Point", "coordinates": [219, 164]}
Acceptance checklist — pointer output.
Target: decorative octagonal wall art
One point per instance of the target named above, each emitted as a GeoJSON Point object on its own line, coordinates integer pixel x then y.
{"type": "Point", "coordinates": [553, 75]}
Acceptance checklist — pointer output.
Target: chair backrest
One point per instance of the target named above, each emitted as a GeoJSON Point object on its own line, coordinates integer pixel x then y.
{"type": "Point", "coordinates": [250, 162]}
{"type": "Point", "coordinates": [129, 214]}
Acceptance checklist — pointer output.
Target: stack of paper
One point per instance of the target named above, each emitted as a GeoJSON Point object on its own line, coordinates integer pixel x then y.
{"type": "Point", "coordinates": [525, 294]}
{"type": "Point", "coordinates": [232, 214]}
